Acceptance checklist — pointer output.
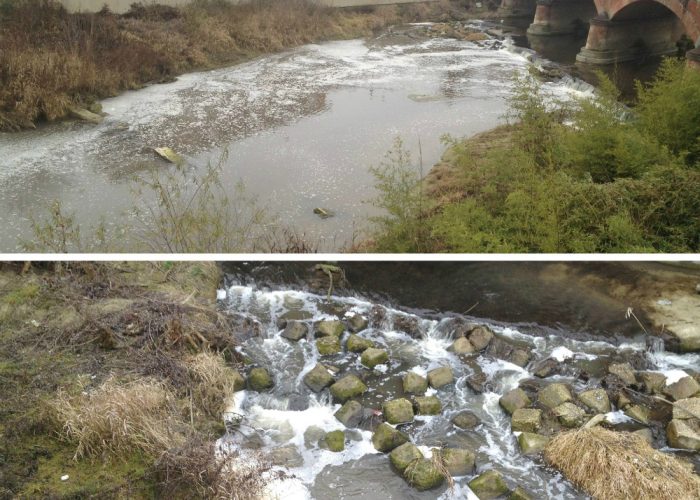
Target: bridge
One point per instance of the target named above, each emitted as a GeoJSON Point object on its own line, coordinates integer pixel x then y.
{"type": "Point", "coordinates": [121, 6]}
{"type": "Point", "coordinates": [617, 30]}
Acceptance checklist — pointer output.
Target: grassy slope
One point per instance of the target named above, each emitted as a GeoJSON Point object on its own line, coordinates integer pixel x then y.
{"type": "Point", "coordinates": [52, 60]}
{"type": "Point", "coordinates": [48, 341]}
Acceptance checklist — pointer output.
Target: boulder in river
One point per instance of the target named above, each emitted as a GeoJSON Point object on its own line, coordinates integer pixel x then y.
{"type": "Point", "coordinates": [357, 323]}
{"type": "Point", "coordinates": [624, 372]}
{"type": "Point", "coordinates": [514, 400]}
{"type": "Point", "coordinates": [386, 438]}
{"type": "Point", "coordinates": [333, 441]}
{"type": "Point", "coordinates": [526, 420]}
{"type": "Point", "coordinates": [553, 395]}
{"type": "Point", "coordinates": [427, 405]}
{"type": "Point", "coordinates": [238, 381]}
{"type": "Point", "coordinates": [461, 346]}
{"type": "Point", "coordinates": [372, 357]}
{"type": "Point", "coordinates": [502, 349]}
{"type": "Point", "coordinates": [569, 415]}
{"type": "Point", "coordinates": [531, 443]}
{"type": "Point", "coordinates": [519, 493]}
{"type": "Point", "coordinates": [546, 367]}
{"type": "Point", "coordinates": [403, 455]}
{"type": "Point", "coordinates": [286, 456]}
{"type": "Point", "coordinates": [440, 377]}
{"type": "Point", "coordinates": [488, 485]}
{"type": "Point", "coordinates": [348, 387]}
{"type": "Point", "coordinates": [684, 434]}
{"type": "Point", "coordinates": [327, 346]}
{"type": "Point", "coordinates": [682, 389]}
{"type": "Point", "coordinates": [295, 330]}
{"type": "Point", "coordinates": [260, 379]}
{"type": "Point", "coordinates": [318, 378]}
{"type": "Point", "coordinates": [423, 475]}
{"type": "Point", "coordinates": [329, 328]}
{"type": "Point", "coordinates": [355, 343]}
{"type": "Point", "coordinates": [398, 411]}
{"type": "Point", "coordinates": [686, 409]}
{"type": "Point", "coordinates": [480, 337]}
{"type": "Point", "coordinates": [414, 383]}
{"type": "Point", "coordinates": [465, 420]}
{"type": "Point", "coordinates": [312, 435]}
{"type": "Point", "coordinates": [639, 413]}
{"type": "Point", "coordinates": [596, 399]}
{"type": "Point", "coordinates": [350, 414]}
{"type": "Point", "coordinates": [457, 461]}
{"type": "Point", "coordinates": [652, 382]}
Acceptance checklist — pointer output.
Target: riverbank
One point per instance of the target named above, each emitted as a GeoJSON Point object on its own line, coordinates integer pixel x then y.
{"type": "Point", "coordinates": [88, 349]}
{"type": "Point", "coordinates": [55, 64]}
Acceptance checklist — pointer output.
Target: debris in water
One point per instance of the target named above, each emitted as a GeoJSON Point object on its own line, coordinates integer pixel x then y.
{"type": "Point", "coordinates": [323, 213]}
{"type": "Point", "coordinates": [85, 115]}
{"type": "Point", "coordinates": [169, 155]}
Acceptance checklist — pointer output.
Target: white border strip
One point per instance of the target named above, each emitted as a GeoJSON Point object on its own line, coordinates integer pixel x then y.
{"type": "Point", "coordinates": [354, 257]}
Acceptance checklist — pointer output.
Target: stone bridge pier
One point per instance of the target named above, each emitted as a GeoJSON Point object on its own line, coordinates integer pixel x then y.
{"type": "Point", "coordinates": [622, 30]}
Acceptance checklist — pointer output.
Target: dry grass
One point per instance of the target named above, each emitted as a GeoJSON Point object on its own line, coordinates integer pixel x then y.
{"type": "Point", "coordinates": [212, 382]}
{"type": "Point", "coordinates": [198, 469]}
{"type": "Point", "coordinates": [118, 419]}
{"type": "Point", "coordinates": [52, 59]}
{"type": "Point", "coordinates": [620, 465]}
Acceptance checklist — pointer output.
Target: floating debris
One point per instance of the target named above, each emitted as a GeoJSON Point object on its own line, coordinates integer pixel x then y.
{"type": "Point", "coordinates": [169, 155]}
{"type": "Point", "coordinates": [323, 213]}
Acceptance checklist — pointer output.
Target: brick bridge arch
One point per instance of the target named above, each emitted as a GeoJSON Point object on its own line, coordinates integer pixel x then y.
{"type": "Point", "coordinates": [621, 30]}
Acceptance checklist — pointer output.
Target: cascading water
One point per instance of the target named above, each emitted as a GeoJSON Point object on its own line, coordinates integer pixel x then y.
{"type": "Point", "coordinates": [287, 421]}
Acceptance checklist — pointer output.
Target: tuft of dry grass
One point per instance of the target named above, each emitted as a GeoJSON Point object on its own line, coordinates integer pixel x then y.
{"type": "Point", "coordinates": [117, 419]}
{"type": "Point", "coordinates": [200, 469]}
{"type": "Point", "coordinates": [618, 465]}
{"type": "Point", "coordinates": [212, 382]}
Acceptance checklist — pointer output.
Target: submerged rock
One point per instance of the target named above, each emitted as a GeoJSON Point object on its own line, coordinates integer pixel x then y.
{"type": "Point", "coordinates": [312, 435]}
{"type": "Point", "coordinates": [489, 485]}
{"type": "Point", "coordinates": [570, 415]}
{"type": "Point", "coordinates": [682, 389]}
{"type": "Point", "coordinates": [624, 372]}
{"type": "Point", "coordinates": [526, 420]}
{"type": "Point", "coordinates": [553, 395]}
{"type": "Point", "coordinates": [596, 399]}
{"type": "Point", "coordinates": [386, 438]}
{"type": "Point", "coordinates": [167, 154]}
{"type": "Point", "coordinates": [414, 383]}
{"type": "Point", "coordinates": [327, 346]}
{"type": "Point", "coordinates": [295, 330]}
{"type": "Point", "coordinates": [440, 377]}
{"type": "Point", "coordinates": [91, 117]}
{"type": "Point", "coordinates": [457, 461]}
{"type": "Point", "coordinates": [355, 343]}
{"type": "Point", "coordinates": [531, 443]}
{"type": "Point", "coordinates": [372, 357]}
{"type": "Point", "coordinates": [403, 455]}
{"type": "Point", "coordinates": [332, 328]}
{"type": "Point", "coordinates": [427, 405]}
{"type": "Point", "coordinates": [318, 378]}
{"type": "Point", "coordinates": [357, 323]}
{"type": "Point", "coordinates": [398, 411]}
{"type": "Point", "coordinates": [286, 456]}
{"type": "Point", "coordinates": [480, 337]}
{"type": "Point", "coordinates": [461, 346]}
{"type": "Point", "coordinates": [684, 434]}
{"type": "Point", "coordinates": [514, 400]}
{"type": "Point", "coordinates": [466, 420]}
{"type": "Point", "coordinates": [348, 387]}
{"type": "Point", "coordinates": [350, 414]}
{"type": "Point", "coordinates": [519, 493]}
{"type": "Point", "coordinates": [260, 379]}
{"type": "Point", "coordinates": [423, 475]}
{"type": "Point", "coordinates": [333, 441]}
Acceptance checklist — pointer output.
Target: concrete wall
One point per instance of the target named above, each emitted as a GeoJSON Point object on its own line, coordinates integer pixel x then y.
{"type": "Point", "coordinates": [121, 6]}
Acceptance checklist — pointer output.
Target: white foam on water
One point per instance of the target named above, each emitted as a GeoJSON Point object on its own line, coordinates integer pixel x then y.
{"type": "Point", "coordinates": [673, 376]}
{"type": "Point", "coordinates": [561, 353]}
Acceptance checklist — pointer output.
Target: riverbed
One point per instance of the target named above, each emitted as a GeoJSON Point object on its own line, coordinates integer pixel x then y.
{"type": "Point", "coordinates": [300, 129]}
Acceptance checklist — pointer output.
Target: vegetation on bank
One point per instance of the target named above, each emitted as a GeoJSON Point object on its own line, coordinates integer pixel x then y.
{"type": "Point", "coordinates": [587, 176]}
{"type": "Point", "coordinates": [52, 60]}
{"type": "Point", "coordinates": [113, 379]}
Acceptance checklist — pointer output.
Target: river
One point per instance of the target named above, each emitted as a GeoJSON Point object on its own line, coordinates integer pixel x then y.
{"type": "Point", "coordinates": [584, 331]}
{"type": "Point", "coordinates": [301, 129]}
